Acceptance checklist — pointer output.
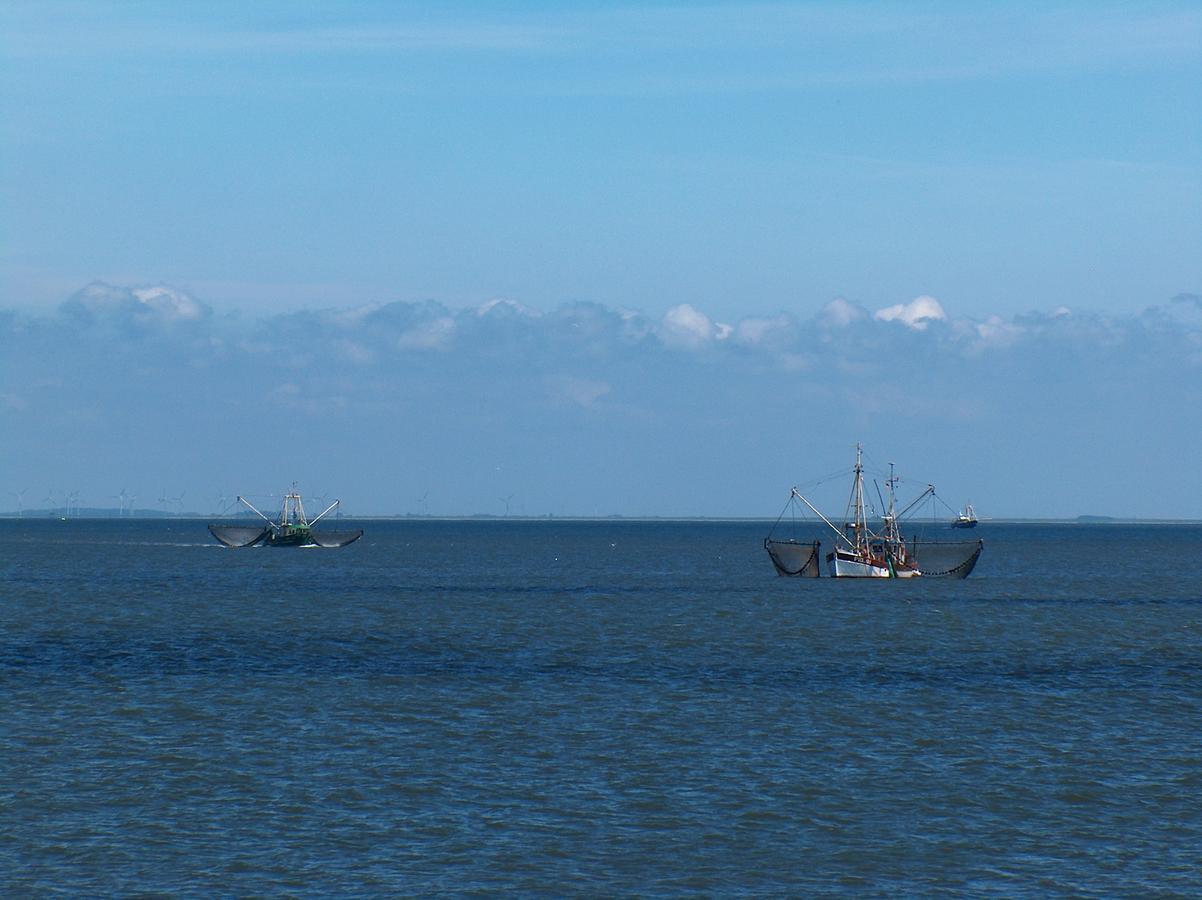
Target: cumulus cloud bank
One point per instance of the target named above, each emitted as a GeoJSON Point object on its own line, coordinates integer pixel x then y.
{"type": "Point", "coordinates": [155, 305]}
{"type": "Point", "coordinates": [589, 408]}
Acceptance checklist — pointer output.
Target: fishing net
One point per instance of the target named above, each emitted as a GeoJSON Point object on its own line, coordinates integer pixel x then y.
{"type": "Point", "coordinates": [335, 538]}
{"type": "Point", "coordinates": [793, 558]}
{"type": "Point", "coordinates": [948, 559]}
{"type": "Point", "coordinates": [238, 536]}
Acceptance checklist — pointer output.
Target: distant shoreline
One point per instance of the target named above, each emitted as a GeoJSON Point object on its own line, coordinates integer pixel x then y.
{"type": "Point", "coordinates": [153, 516]}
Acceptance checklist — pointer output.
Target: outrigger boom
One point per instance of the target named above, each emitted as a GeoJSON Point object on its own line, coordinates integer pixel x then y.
{"type": "Point", "coordinates": [284, 515]}
{"type": "Point", "coordinates": [800, 496]}
{"type": "Point", "coordinates": [252, 508]}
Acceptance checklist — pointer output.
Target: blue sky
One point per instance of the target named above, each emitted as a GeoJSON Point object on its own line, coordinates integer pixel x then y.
{"type": "Point", "coordinates": [749, 201]}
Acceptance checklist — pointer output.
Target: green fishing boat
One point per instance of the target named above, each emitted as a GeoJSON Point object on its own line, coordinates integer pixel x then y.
{"type": "Point", "coordinates": [292, 529]}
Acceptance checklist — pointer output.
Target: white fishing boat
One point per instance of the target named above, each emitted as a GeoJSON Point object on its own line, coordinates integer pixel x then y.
{"type": "Point", "coordinates": [863, 551]}
{"type": "Point", "coordinates": [967, 517]}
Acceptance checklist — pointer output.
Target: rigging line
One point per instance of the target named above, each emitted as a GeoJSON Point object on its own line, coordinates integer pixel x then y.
{"type": "Point", "coordinates": [877, 484]}
{"type": "Point", "coordinates": [805, 485]}
{"type": "Point", "coordinates": [875, 468]}
{"type": "Point", "coordinates": [954, 512]}
{"type": "Point", "coordinates": [788, 503]}
{"type": "Point", "coordinates": [871, 462]}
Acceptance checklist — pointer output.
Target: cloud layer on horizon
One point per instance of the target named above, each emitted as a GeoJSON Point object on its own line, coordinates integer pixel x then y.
{"type": "Point", "coordinates": [589, 408]}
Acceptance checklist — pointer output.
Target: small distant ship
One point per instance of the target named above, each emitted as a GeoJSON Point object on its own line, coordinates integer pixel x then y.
{"type": "Point", "coordinates": [291, 529]}
{"type": "Point", "coordinates": [967, 518]}
{"type": "Point", "coordinates": [862, 551]}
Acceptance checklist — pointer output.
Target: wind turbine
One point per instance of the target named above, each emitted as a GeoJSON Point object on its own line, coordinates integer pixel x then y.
{"type": "Point", "coordinates": [49, 501]}
{"type": "Point", "coordinates": [121, 498]}
{"type": "Point", "coordinates": [163, 500]}
{"type": "Point", "coordinates": [72, 503]}
{"type": "Point", "coordinates": [506, 500]}
{"type": "Point", "coordinates": [20, 495]}
{"type": "Point", "coordinates": [178, 503]}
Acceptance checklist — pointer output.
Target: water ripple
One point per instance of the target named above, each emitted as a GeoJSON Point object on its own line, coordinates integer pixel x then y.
{"type": "Point", "coordinates": [646, 710]}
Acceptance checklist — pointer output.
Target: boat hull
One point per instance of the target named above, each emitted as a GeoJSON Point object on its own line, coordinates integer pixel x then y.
{"type": "Point", "coordinates": [290, 536]}
{"type": "Point", "coordinates": [841, 564]}
{"type": "Point", "coordinates": [847, 565]}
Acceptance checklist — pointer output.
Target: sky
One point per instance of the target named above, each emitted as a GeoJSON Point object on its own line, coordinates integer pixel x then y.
{"type": "Point", "coordinates": [593, 259]}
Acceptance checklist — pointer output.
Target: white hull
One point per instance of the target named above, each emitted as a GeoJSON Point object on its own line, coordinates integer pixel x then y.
{"type": "Point", "coordinates": [841, 565]}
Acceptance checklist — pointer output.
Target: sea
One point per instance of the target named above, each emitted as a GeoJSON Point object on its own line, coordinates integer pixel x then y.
{"type": "Point", "coordinates": [600, 708]}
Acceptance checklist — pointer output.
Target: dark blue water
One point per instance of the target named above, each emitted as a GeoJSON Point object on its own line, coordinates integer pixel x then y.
{"type": "Point", "coordinates": [596, 708]}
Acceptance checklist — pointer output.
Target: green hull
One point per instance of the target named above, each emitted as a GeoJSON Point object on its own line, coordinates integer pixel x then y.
{"type": "Point", "coordinates": [290, 536]}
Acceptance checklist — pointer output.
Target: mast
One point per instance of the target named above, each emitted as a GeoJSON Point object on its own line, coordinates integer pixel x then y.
{"type": "Point", "coordinates": [892, 533]}
{"type": "Point", "coordinates": [859, 517]}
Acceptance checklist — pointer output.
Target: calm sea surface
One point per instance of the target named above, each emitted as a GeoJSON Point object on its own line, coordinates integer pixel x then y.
{"type": "Point", "coordinates": [595, 708]}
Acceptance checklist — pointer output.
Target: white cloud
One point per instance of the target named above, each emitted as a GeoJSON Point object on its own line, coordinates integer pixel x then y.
{"type": "Point", "coordinates": [150, 305]}
{"type": "Point", "coordinates": [840, 313]}
{"type": "Point", "coordinates": [510, 306]}
{"type": "Point", "coordinates": [635, 326]}
{"type": "Point", "coordinates": [169, 302]}
{"type": "Point", "coordinates": [684, 326]}
{"type": "Point", "coordinates": [99, 296]}
{"type": "Point", "coordinates": [12, 401]}
{"type": "Point", "coordinates": [581, 391]}
{"type": "Point", "coordinates": [753, 331]}
{"type": "Point", "coordinates": [795, 362]}
{"type": "Point", "coordinates": [917, 314]}
{"type": "Point", "coordinates": [432, 335]}
{"type": "Point", "coordinates": [995, 332]}
{"type": "Point", "coordinates": [355, 352]}
{"type": "Point", "coordinates": [353, 317]}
